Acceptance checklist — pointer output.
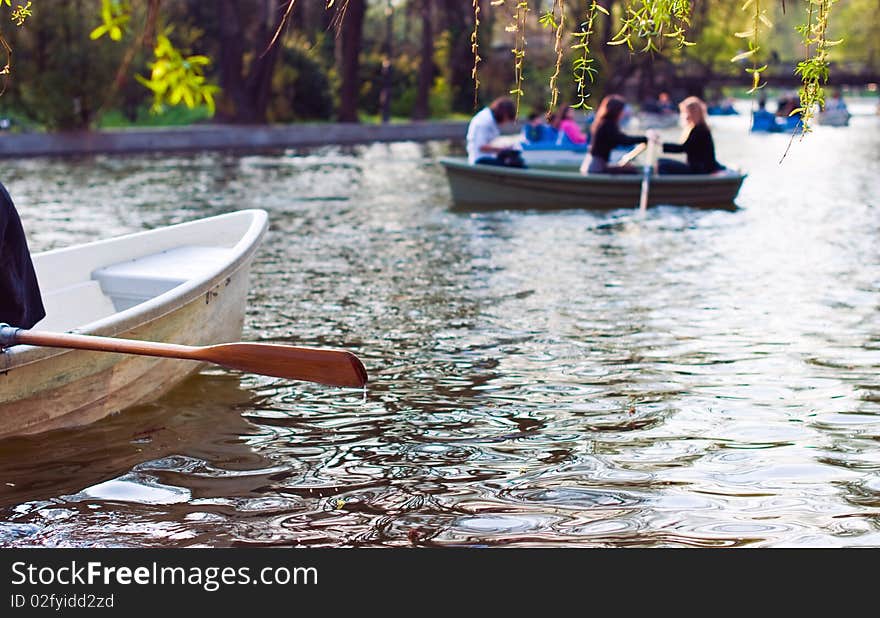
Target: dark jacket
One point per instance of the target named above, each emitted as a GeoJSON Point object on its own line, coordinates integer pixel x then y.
{"type": "Point", "coordinates": [700, 150]}
{"type": "Point", "coordinates": [608, 136]}
{"type": "Point", "coordinates": [20, 301]}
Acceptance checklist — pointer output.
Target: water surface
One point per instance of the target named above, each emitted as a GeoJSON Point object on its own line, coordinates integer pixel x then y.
{"type": "Point", "coordinates": [570, 378]}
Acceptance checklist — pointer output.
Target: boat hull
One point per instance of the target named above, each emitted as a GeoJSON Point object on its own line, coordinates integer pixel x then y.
{"type": "Point", "coordinates": [43, 389]}
{"type": "Point", "coordinates": [488, 187]}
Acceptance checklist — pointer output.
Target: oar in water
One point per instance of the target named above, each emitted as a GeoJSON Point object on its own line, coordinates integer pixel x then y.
{"type": "Point", "coordinates": [325, 366]}
{"type": "Point", "coordinates": [646, 178]}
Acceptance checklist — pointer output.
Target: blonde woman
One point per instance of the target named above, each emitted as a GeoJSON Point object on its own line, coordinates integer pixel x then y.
{"type": "Point", "coordinates": [697, 145]}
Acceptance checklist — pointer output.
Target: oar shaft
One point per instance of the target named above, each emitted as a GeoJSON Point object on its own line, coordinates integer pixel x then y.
{"type": "Point", "coordinates": [646, 177]}
{"type": "Point", "coordinates": [325, 366]}
{"type": "Point", "coordinates": [15, 336]}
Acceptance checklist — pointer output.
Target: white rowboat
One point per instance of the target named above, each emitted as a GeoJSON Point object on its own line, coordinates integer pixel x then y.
{"type": "Point", "coordinates": [184, 283]}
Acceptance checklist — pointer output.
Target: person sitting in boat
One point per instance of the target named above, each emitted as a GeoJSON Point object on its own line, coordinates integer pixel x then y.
{"type": "Point", "coordinates": [484, 127]}
{"type": "Point", "coordinates": [836, 103]}
{"type": "Point", "coordinates": [536, 130]}
{"type": "Point", "coordinates": [785, 116]}
{"type": "Point", "coordinates": [762, 120]}
{"type": "Point", "coordinates": [663, 104]}
{"type": "Point", "coordinates": [606, 136]}
{"type": "Point", "coordinates": [784, 106]}
{"type": "Point", "coordinates": [723, 107]}
{"type": "Point", "coordinates": [21, 304]}
{"type": "Point", "coordinates": [697, 145]}
{"type": "Point", "coordinates": [564, 122]}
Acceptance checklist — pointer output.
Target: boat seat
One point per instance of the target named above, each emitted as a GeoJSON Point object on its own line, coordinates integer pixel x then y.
{"type": "Point", "coordinates": [74, 305]}
{"type": "Point", "coordinates": [135, 281]}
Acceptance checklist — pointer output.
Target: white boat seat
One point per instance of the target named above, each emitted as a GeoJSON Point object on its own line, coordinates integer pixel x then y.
{"type": "Point", "coordinates": [74, 305]}
{"type": "Point", "coordinates": [134, 281]}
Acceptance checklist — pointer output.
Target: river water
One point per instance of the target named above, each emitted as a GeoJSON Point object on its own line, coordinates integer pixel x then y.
{"type": "Point", "coordinates": [570, 378]}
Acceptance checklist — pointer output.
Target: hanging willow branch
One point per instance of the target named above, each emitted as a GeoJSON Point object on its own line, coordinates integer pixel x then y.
{"type": "Point", "coordinates": [549, 20]}
{"type": "Point", "coordinates": [814, 69]}
{"type": "Point", "coordinates": [518, 27]}
{"type": "Point", "coordinates": [759, 16]}
{"type": "Point", "coordinates": [652, 21]}
{"type": "Point", "coordinates": [582, 66]}
{"type": "Point", "coordinates": [475, 48]}
{"type": "Point", "coordinates": [18, 16]}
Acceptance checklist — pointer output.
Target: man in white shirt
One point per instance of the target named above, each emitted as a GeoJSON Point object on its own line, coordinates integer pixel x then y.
{"type": "Point", "coordinates": [485, 127]}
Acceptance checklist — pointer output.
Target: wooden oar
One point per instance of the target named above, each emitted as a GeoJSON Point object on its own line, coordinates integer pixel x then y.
{"type": "Point", "coordinates": [646, 178]}
{"type": "Point", "coordinates": [632, 154]}
{"type": "Point", "coordinates": [325, 366]}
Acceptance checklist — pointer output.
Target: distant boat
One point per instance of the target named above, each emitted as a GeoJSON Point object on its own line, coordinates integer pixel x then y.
{"type": "Point", "coordinates": [184, 283]}
{"type": "Point", "coordinates": [490, 187]}
{"type": "Point", "coordinates": [766, 122]}
{"type": "Point", "coordinates": [552, 149]}
{"type": "Point", "coordinates": [543, 145]}
{"type": "Point", "coordinates": [833, 117]}
{"type": "Point", "coordinates": [721, 110]}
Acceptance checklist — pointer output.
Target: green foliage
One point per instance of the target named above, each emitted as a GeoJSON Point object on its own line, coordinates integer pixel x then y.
{"type": "Point", "coordinates": [175, 78]}
{"type": "Point", "coordinates": [814, 69]}
{"type": "Point", "coordinates": [143, 116]}
{"type": "Point", "coordinates": [650, 22]}
{"type": "Point", "coordinates": [404, 81]}
{"type": "Point", "coordinates": [582, 65]}
{"type": "Point", "coordinates": [518, 27]}
{"type": "Point", "coordinates": [759, 17]}
{"type": "Point", "coordinates": [20, 13]}
{"type": "Point", "coordinates": [475, 48]}
{"type": "Point", "coordinates": [440, 98]}
{"type": "Point", "coordinates": [115, 15]}
{"type": "Point", "coordinates": [300, 86]}
{"type": "Point", "coordinates": [859, 22]}
{"type": "Point", "coordinates": [18, 16]}
{"type": "Point", "coordinates": [549, 20]}
{"type": "Point", "coordinates": [304, 82]}
{"type": "Point", "coordinates": [61, 77]}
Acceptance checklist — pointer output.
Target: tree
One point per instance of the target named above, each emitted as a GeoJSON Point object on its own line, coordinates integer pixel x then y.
{"type": "Point", "coordinates": [421, 109]}
{"type": "Point", "coordinates": [75, 74]}
{"type": "Point", "coordinates": [351, 15]}
{"type": "Point", "coordinates": [638, 39]}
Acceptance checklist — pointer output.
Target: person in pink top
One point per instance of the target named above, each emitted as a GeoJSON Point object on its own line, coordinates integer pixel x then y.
{"type": "Point", "coordinates": [563, 120]}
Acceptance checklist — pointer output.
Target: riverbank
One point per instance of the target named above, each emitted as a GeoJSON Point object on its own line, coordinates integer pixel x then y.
{"type": "Point", "coordinates": [220, 137]}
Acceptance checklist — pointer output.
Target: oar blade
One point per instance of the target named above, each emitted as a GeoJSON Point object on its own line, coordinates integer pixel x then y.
{"type": "Point", "coordinates": [324, 366]}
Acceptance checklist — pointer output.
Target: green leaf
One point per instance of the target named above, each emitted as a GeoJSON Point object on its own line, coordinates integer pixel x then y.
{"type": "Point", "coordinates": [743, 55]}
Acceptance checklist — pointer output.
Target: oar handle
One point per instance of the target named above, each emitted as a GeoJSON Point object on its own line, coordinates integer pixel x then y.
{"type": "Point", "coordinates": [7, 335]}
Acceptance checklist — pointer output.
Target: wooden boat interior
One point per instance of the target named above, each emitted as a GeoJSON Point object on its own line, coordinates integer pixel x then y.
{"type": "Point", "coordinates": [82, 285]}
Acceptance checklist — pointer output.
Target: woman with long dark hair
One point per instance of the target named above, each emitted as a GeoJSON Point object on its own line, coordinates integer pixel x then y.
{"type": "Point", "coordinates": [606, 136]}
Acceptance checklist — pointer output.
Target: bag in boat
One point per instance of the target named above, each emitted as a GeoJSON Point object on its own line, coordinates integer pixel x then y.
{"type": "Point", "coordinates": [511, 158]}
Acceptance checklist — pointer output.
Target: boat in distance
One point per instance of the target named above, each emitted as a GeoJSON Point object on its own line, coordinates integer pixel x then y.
{"type": "Point", "coordinates": [184, 283]}
{"type": "Point", "coordinates": [492, 187]}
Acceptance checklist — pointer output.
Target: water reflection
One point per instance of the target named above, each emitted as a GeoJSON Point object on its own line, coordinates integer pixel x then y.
{"type": "Point", "coordinates": [699, 378]}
